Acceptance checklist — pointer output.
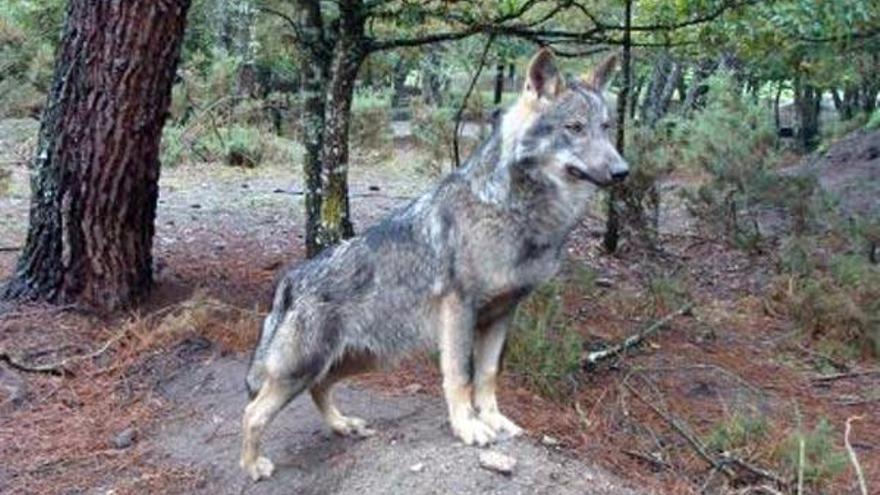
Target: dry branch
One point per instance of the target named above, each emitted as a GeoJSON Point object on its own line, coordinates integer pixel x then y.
{"type": "Point", "coordinates": [863, 486]}
{"type": "Point", "coordinates": [60, 367]}
{"type": "Point", "coordinates": [594, 357]}
{"type": "Point", "coordinates": [844, 376]}
{"type": "Point", "coordinates": [721, 462]}
{"type": "Point", "coordinates": [10, 249]}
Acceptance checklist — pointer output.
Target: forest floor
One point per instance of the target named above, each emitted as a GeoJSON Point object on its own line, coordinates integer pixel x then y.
{"type": "Point", "coordinates": [154, 404]}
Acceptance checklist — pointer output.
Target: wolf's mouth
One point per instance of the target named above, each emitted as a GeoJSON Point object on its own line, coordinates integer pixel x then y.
{"type": "Point", "coordinates": [579, 174]}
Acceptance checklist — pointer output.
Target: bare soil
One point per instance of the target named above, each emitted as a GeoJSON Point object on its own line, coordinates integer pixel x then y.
{"type": "Point", "coordinates": [173, 372]}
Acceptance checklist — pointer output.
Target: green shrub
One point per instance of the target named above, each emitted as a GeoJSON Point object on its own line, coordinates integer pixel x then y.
{"type": "Point", "coordinates": [874, 121]}
{"type": "Point", "coordinates": [843, 307]}
{"type": "Point", "coordinates": [243, 147]}
{"type": "Point", "coordinates": [544, 349]}
{"type": "Point", "coordinates": [822, 459]}
{"type": "Point", "coordinates": [432, 130]}
{"type": "Point", "coordinates": [732, 140]}
{"type": "Point", "coordinates": [370, 120]}
{"type": "Point", "coordinates": [740, 432]}
{"type": "Point", "coordinates": [668, 292]}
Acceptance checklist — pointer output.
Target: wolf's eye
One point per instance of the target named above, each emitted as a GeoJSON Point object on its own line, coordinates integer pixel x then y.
{"type": "Point", "coordinates": [575, 127]}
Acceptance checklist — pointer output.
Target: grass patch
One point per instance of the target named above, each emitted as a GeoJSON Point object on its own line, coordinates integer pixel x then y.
{"type": "Point", "coordinates": [543, 349]}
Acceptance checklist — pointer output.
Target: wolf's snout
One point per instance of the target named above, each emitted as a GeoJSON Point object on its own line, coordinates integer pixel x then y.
{"type": "Point", "coordinates": [619, 175]}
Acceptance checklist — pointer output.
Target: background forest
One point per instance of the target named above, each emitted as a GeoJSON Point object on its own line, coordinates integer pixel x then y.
{"type": "Point", "coordinates": [742, 252]}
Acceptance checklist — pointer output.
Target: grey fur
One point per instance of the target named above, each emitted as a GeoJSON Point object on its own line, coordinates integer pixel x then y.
{"type": "Point", "coordinates": [484, 237]}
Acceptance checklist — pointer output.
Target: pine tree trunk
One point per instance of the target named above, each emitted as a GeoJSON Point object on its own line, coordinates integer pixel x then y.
{"type": "Point", "coordinates": [95, 181]}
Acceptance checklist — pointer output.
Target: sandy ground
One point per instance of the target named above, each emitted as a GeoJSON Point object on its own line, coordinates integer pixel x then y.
{"type": "Point", "coordinates": [412, 431]}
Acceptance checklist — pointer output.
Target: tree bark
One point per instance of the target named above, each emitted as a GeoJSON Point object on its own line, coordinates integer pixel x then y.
{"type": "Point", "coordinates": [612, 224]}
{"type": "Point", "coordinates": [499, 85]}
{"type": "Point", "coordinates": [314, 74]}
{"type": "Point", "coordinates": [95, 181]}
{"type": "Point", "coordinates": [349, 53]}
{"type": "Point", "coordinates": [807, 101]}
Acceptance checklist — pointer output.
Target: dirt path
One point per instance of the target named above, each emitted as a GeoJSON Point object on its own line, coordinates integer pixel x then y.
{"type": "Point", "coordinates": [412, 430]}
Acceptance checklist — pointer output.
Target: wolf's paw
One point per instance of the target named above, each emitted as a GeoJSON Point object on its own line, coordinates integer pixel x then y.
{"type": "Point", "coordinates": [501, 424]}
{"type": "Point", "coordinates": [348, 426]}
{"type": "Point", "coordinates": [260, 469]}
{"type": "Point", "coordinates": [472, 431]}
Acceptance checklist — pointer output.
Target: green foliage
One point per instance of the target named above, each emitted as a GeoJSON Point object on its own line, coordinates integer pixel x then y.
{"type": "Point", "coordinates": [740, 432]}
{"type": "Point", "coordinates": [823, 460]}
{"type": "Point", "coordinates": [28, 38]}
{"type": "Point", "coordinates": [874, 121]}
{"type": "Point", "coordinates": [842, 307]}
{"type": "Point", "coordinates": [370, 120]}
{"type": "Point", "coordinates": [243, 147]}
{"type": "Point", "coordinates": [236, 145]}
{"type": "Point", "coordinates": [432, 131]}
{"type": "Point", "coordinates": [543, 349]}
{"type": "Point", "coordinates": [668, 293]}
{"type": "Point", "coordinates": [732, 140]}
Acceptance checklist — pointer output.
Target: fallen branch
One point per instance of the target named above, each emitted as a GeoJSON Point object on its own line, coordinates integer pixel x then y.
{"type": "Point", "coordinates": [61, 367]}
{"type": "Point", "coordinates": [721, 462]}
{"type": "Point", "coordinates": [863, 486]}
{"type": "Point", "coordinates": [10, 249]}
{"type": "Point", "coordinates": [646, 458]}
{"type": "Point", "coordinates": [844, 376]}
{"type": "Point", "coordinates": [633, 340]}
{"type": "Point", "coordinates": [695, 444]}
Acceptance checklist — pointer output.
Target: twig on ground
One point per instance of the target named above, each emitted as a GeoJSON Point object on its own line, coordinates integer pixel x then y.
{"type": "Point", "coordinates": [695, 444]}
{"type": "Point", "coordinates": [60, 367]}
{"type": "Point", "coordinates": [10, 249]}
{"type": "Point", "coordinates": [594, 357]}
{"type": "Point", "coordinates": [760, 472]}
{"type": "Point", "coordinates": [854, 459]}
{"type": "Point", "coordinates": [844, 376]}
{"type": "Point", "coordinates": [647, 458]}
{"type": "Point", "coordinates": [720, 462]}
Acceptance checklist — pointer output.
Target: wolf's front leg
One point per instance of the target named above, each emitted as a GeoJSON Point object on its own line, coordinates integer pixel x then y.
{"type": "Point", "coordinates": [456, 349]}
{"type": "Point", "coordinates": [489, 346]}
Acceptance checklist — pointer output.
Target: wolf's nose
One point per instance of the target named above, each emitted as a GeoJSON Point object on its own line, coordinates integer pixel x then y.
{"type": "Point", "coordinates": [619, 176]}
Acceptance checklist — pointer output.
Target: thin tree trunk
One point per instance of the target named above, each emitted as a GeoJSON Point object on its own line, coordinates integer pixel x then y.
{"type": "Point", "coordinates": [499, 84]}
{"type": "Point", "coordinates": [612, 225]}
{"type": "Point", "coordinates": [314, 75]}
{"type": "Point", "coordinates": [95, 181]}
{"type": "Point", "coordinates": [349, 54]}
{"type": "Point", "coordinates": [807, 103]}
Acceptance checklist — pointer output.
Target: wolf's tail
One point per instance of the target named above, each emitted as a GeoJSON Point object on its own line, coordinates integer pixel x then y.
{"type": "Point", "coordinates": [257, 370]}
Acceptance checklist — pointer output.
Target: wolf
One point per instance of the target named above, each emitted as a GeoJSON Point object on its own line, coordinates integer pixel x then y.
{"type": "Point", "coordinates": [447, 270]}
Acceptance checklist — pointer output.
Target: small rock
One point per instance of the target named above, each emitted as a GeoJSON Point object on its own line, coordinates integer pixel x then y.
{"type": "Point", "coordinates": [604, 282]}
{"type": "Point", "coordinates": [373, 188]}
{"type": "Point", "coordinates": [125, 438]}
{"type": "Point", "coordinates": [498, 462]}
{"type": "Point", "coordinates": [412, 388]}
{"type": "Point", "coordinates": [195, 206]}
{"type": "Point", "coordinates": [549, 441]}
{"type": "Point", "coordinates": [417, 468]}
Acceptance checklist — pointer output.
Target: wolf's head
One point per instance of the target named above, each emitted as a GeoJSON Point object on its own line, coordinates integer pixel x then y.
{"type": "Point", "coordinates": [557, 131]}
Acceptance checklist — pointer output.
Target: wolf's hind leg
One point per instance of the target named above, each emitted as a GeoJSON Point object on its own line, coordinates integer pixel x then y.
{"type": "Point", "coordinates": [322, 394]}
{"type": "Point", "coordinates": [488, 348]}
{"type": "Point", "coordinates": [272, 397]}
{"type": "Point", "coordinates": [456, 350]}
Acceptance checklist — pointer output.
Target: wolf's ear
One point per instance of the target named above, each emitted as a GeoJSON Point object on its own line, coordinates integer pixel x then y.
{"type": "Point", "coordinates": [543, 79]}
{"type": "Point", "coordinates": [600, 76]}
